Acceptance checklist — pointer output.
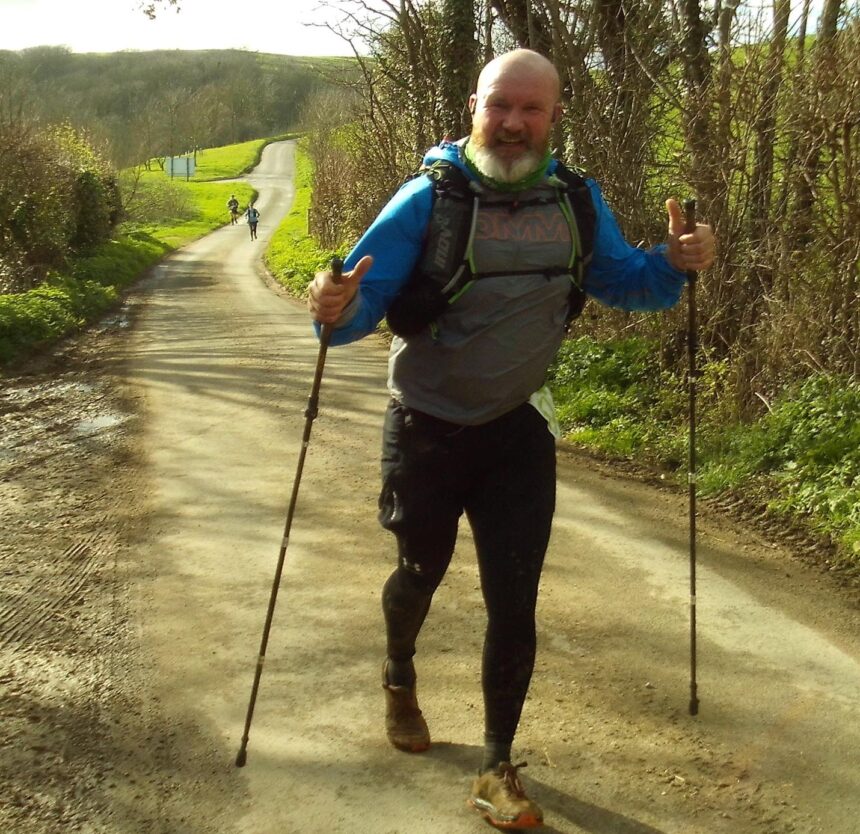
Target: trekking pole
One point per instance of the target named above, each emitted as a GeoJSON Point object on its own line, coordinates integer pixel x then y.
{"type": "Point", "coordinates": [692, 373]}
{"type": "Point", "coordinates": [310, 416]}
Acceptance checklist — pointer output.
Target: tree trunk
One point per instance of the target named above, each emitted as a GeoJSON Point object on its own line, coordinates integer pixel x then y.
{"type": "Point", "coordinates": [458, 64]}
{"type": "Point", "coordinates": [811, 140]}
{"type": "Point", "coordinates": [697, 75]}
{"type": "Point", "coordinates": [761, 187]}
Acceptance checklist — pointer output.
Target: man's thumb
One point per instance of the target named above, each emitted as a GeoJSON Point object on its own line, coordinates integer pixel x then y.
{"type": "Point", "coordinates": [360, 269]}
{"type": "Point", "coordinates": [677, 223]}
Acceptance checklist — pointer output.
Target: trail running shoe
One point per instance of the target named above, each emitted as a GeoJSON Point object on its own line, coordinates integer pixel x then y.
{"type": "Point", "coordinates": [404, 724]}
{"type": "Point", "coordinates": [500, 797]}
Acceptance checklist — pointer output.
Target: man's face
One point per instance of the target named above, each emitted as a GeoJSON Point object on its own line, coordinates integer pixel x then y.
{"type": "Point", "coordinates": [512, 116]}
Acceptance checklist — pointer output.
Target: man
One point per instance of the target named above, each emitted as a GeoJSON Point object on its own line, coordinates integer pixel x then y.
{"type": "Point", "coordinates": [233, 207]}
{"type": "Point", "coordinates": [468, 425]}
{"type": "Point", "coordinates": [253, 217]}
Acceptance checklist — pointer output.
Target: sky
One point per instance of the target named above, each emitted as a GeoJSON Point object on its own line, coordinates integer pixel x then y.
{"type": "Point", "coordinates": [287, 27]}
{"type": "Point", "coordinates": [278, 26]}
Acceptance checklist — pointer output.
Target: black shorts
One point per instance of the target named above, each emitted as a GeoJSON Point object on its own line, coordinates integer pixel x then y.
{"type": "Point", "coordinates": [501, 474]}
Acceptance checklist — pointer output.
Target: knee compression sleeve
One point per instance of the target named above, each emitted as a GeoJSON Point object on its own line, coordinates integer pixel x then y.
{"type": "Point", "coordinates": [406, 600]}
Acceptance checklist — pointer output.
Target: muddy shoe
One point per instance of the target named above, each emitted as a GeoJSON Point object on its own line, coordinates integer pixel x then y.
{"type": "Point", "coordinates": [500, 797]}
{"type": "Point", "coordinates": [404, 723]}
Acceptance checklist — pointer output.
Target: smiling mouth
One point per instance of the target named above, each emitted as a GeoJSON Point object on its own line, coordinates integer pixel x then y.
{"type": "Point", "coordinates": [510, 143]}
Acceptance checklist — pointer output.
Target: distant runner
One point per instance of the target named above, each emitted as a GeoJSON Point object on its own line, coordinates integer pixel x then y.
{"type": "Point", "coordinates": [233, 207]}
{"type": "Point", "coordinates": [253, 217]}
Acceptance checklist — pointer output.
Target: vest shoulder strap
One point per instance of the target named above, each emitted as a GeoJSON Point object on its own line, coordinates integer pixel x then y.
{"type": "Point", "coordinates": [584, 213]}
{"type": "Point", "coordinates": [446, 267]}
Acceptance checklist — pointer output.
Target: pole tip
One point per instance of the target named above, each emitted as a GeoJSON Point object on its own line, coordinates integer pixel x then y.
{"type": "Point", "coordinates": [694, 707]}
{"type": "Point", "coordinates": [241, 758]}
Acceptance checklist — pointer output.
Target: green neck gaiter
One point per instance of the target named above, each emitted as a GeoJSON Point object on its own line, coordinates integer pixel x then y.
{"type": "Point", "coordinates": [529, 181]}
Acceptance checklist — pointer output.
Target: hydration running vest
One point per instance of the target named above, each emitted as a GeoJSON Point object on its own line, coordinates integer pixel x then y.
{"type": "Point", "coordinates": [447, 268]}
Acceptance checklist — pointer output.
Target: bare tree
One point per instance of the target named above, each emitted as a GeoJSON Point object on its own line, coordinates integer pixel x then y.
{"type": "Point", "coordinates": [811, 138]}
{"type": "Point", "coordinates": [458, 64]}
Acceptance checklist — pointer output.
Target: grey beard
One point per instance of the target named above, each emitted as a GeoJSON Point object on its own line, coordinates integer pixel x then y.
{"type": "Point", "coordinates": [491, 166]}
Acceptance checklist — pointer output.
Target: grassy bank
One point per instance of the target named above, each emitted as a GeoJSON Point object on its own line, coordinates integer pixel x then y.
{"type": "Point", "coordinates": [800, 459]}
{"type": "Point", "coordinates": [293, 255]}
{"type": "Point", "coordinates": [165, 213]}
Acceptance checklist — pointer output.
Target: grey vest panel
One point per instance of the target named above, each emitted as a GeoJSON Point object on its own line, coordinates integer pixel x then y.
{"type": "Point", "coordinates": [492, 346]}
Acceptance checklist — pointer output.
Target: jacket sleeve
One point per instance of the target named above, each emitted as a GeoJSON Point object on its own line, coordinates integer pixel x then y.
{"type": "Point", "coordinates": [625, 276]}
{"type": "Point", "coordinates": [395, 240]}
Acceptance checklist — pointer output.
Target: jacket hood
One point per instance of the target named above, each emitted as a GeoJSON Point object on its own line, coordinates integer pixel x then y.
{"type": "Point", "coordinates": [453, 152]}
{"type": "Point", "coordinates": [450, 152]}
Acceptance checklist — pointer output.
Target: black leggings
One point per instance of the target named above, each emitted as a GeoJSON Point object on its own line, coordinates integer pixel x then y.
{"type": "Point", "coordinates": [502, 474]}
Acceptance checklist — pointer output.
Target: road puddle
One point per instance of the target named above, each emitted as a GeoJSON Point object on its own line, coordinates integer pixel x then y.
{"type": "Point", "coordinates": [99, 423]}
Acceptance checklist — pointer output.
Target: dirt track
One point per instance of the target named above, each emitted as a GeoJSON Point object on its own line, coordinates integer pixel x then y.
{"type": "Point", "coordinates": [144, 474]}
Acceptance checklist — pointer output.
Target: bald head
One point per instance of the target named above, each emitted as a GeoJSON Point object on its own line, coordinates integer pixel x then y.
{"type": "Point", "coordinates": [513, 111]}
{"type": "Point", "coordinates": [524, 66]}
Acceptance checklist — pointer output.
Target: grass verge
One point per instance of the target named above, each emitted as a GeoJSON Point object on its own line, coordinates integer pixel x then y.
{"type": "Point", "coordinates": [293, 256]}
{"type": "Point", "coordinates": [167, 214]}
{"type": "Point", "coordinates": [801, 458]}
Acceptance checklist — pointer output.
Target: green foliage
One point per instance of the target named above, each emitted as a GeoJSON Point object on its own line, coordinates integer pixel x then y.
{"type": "Point", "coordinates": [805, 452]}
{"type": "Point", "coordinates": [42, 315]}
{"type": "Point", "coordinates": [92, 195]}
{"type": "Point", "coordinates": [293, 255]}
{"type": "Point", "coordinates": [63, 304]}
{"type": "Point", "coordinates": [602, 389]}
{"type": "Point", "coordinates": [802, 457]}
{"type": "Point", "coordinates": [57, 198]}
{"type": "Point", "coordinates": [82, 290]}
{"type": "Point", "coordinates": [96, 201]}
{"type": "Point", "coordinates": [37, 224]}
{"type": "Point", "coordinates": [228, 160]}
{"type": "Point", "coordinates": [612, 365]}
{"type": "Point", "coordinates": [118, 262]}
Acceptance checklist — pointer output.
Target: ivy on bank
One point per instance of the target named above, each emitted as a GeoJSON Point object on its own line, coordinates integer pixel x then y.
{"type": "Point", "coordinates": [801, 458]}
{"type": "Point", "coordinates": [64, 303]}
{"type": "Point", "coordinates": [293, 256]}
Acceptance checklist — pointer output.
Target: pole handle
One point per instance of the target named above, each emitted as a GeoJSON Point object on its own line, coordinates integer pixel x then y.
{"type": "Point", "coordinates": [690, 215]}
{"type": "Point", "coordinates": [689, 228]}
{"type": "Point", "coordinates": [690, 224]}
{"type": "Point", "coordinates": [336, 270]}
{"type": "Point", "coordinates": [326, 329]}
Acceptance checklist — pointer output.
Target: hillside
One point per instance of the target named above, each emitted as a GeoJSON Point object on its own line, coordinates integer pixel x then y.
{"type": "Point", "coordinates": [145, 104]}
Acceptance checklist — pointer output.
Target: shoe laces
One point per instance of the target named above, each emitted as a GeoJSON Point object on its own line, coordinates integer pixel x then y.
{"type": "Point", "coordinates": [511, 779]}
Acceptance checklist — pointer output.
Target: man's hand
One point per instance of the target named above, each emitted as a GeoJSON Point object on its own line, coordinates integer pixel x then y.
{"type": "Point", "coordinates": [688, 251]}
{"type": "Point", "coordinates": [327, 299]}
